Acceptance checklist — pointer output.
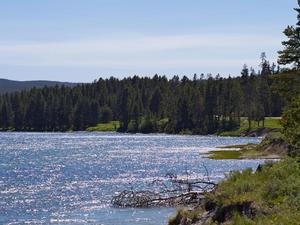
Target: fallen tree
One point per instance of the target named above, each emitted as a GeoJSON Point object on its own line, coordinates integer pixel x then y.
{"type": "Point", "coordinates": [173, 191]}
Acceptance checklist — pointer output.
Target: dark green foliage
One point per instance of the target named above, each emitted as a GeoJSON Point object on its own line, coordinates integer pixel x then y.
{"type": "Point", "coordinates": [291, 124]}
{"type": "Point", "coordinates": [198, 106]}
{"type": "Point", "coordinates": [287, 85]}
{"type": "Point", "coordinates": [147, 125]}
{"type": "Point", "coordinates": [155, 102]}
{"type": "Point", "coordinates": [291, 52]}
{"type": "Point", "coordinates": [105, 114]}
{"type": "Point", "coordinates": [133, 126]}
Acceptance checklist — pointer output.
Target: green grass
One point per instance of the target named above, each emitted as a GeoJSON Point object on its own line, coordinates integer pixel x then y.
{"type": "Point", "coordinates": [226, 154]}
{"type": "Point", "coordinates": [162, 122]}
{"type": "Point", "coordinates": [274, 192]}
{"type": "Point", "coordinates": [273, 122]}
{"type": "Point", "coordinates": [190, 215]}
{"type": "Point", "coordinates": [105, 127]}
{"type": "Point", "coordinates": [235, 146]}
{"type": "Point", "coordinates": [270, 122]}
{"type": "Point", "coordinates": [249, 151]}
{"type": "Point", "coordinates": [270, 195]}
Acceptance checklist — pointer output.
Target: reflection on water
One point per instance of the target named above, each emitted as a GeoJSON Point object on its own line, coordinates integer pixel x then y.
{"type": "Point", "coordinates": [69, 178]}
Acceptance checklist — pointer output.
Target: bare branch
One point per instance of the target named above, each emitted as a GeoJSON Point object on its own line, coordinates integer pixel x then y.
{"type": "Point", "coordinates": [173, 192]}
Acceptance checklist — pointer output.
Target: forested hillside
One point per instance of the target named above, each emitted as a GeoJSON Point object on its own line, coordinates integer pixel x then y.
{"type": "Point", "coordinates": [8, 86]}
{"type": "Point", "coordinates": [203, 105]}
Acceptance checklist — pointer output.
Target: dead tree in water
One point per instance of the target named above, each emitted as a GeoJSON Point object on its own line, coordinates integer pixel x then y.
{"type": "Point", "coordinates": [174, 191]}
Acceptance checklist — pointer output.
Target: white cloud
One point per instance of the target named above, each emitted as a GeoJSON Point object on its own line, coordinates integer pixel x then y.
{"type": "Point", "coordinates": [130, 52]}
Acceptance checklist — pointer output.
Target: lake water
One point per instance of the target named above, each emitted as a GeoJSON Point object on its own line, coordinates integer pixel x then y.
{"type": "Point", "coordinates": [70, 178]}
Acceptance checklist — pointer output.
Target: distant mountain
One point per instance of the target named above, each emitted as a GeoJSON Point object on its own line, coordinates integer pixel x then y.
{"type": "Point", "coordinates": [8, 86]}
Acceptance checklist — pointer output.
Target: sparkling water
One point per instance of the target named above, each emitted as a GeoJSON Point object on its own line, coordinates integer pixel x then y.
{"type": "Point", "coordinates": [70, 178]}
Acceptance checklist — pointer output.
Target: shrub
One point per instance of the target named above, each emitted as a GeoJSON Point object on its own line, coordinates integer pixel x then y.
{"type": "Point", "coordinates": [291, 124]}
{"type": "Point", "coordinates": [146, 126]}
{"type": "Point", "coordinates": [132, 126]}
{"type": "Point", "coordinates": [105, 114]}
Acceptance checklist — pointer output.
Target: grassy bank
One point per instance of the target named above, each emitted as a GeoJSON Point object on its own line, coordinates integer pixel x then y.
{"type": "Point", "coordinates": [105, 127]}
{"type": "Point", "coordinates": [152, 126]}
{"type": "Point", "coordinates": [271, 195]}
{"type": "Point", "coordinates": [238, 152]}
{"type": "Point", "coordinates": [272, 123]}
{"type": "Point", "coordinates": [272, 147]}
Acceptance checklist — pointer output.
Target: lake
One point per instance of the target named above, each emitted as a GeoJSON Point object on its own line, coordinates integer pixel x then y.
{"type": "Point", "coordinates": [70, 178]}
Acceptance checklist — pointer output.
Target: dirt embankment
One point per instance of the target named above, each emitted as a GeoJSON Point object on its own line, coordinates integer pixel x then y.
{"type": "Point", "coordinates": [278, 147]}
{"type": "Point", "coordinates": [259, 132]}
{"type": "Point", "coordinates": [213, 214]}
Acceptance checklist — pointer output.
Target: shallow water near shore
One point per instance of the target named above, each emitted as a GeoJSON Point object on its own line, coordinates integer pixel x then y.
{"type": "Point", "coordinates": [70, 178]}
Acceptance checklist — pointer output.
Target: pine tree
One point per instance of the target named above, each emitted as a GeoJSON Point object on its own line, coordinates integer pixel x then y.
{"type": "Point", "coordinates": [125, 111]}
{"type": "Point", "coordinates": [105, 114]}
{"type": "Point", "coordinates": [4, 117]}
{"type": "Point", "coordinates": [291, 52]}
{"type": "Point", "coordinates": [156, 102]}
{"type": "Point", "coordinates": [94, 114]}
{"type": "Point", "coordinates": [291, 124]}
{"type": "Point", "coordinates": [199, 105]}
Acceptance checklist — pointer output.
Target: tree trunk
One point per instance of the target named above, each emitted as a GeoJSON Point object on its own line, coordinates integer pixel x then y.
{"type": "Point", "coordinates": [249, 124]}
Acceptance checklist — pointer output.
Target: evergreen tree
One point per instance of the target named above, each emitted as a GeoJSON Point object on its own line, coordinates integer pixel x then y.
{"type": "Point", "coordinates": [201, 106]}
{"type": "Point", "coordinates": [105, 114]}
{"type": "Point", "coordinates": [4, 121]}
{"type": "Point", "coordinates": [291, 52]}
{"type": "Point", "coordinates": [291, 124]}
{"type": "Point", "coordinates": [94, 116]}
{"type": "Point", "coordinates": [155, 102]}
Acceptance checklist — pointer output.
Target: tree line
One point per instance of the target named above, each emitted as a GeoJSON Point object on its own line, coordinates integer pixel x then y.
{"type": "Point", "coordinates": [202, 105]}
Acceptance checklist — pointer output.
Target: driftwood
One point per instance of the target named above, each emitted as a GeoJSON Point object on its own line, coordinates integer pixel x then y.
{"type": "Point", "coordinates": [172, 192]}
{"type": "Point", "coordinates": [145, 199]}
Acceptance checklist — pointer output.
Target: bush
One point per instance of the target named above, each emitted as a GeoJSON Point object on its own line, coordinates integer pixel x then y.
{"type": "Point", "coordinates": [170, 127]}
{"type": "Point", "coordinates": [161, 124]}
{"type": "Point", "coordinates": [105, 114]}
{"type": "Point", "coordinates": [147, 126]}
{"type": "Point", "coordinates": [105, 127]}
{"type": "Point", "coordinates": [185, 216]}
{"type": "Point", "coordinates": [132, 126]}
{"type": "Point", "coordinates": [291, 124]}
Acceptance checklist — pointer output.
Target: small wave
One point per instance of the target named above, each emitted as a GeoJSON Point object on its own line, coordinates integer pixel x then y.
{"type": "Point", "coordinates": [72, 221]}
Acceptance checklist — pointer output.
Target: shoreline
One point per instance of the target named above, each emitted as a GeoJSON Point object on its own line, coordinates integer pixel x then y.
{"type": "Point", "coordinates": [114, 131]}
{"type": "Point", "coordinates": [245, 196]}
{"type": "Point", "coordinates": [248, 197]}
{"type": "Point", "coordinates": [241, 152]}
{"type": "Point", "coordinates": [272, 125]}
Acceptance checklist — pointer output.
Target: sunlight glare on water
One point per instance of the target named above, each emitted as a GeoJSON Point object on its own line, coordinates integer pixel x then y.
{"type": "Point", "coordinates": [70, 178]}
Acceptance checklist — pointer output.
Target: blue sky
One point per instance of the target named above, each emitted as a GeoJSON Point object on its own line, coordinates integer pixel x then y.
{"type": "Point", "coordinates": [82, 40]}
